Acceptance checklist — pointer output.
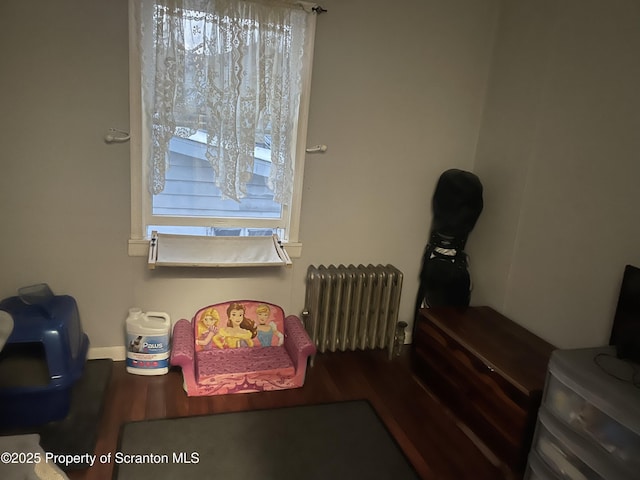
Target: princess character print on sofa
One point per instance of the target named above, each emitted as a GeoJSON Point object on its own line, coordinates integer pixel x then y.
{"type": "Point", "coordinates": [207, 324]}
{"type": "Point", "coordinates": [241, 346]}
{"type": "Point", "coordinates": [240, 330]}
{"type": "Point", "coordinates": [268, 332]}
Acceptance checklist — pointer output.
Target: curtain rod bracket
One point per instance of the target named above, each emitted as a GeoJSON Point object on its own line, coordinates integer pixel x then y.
{"type": "Point", "coordinates": [318, 9]}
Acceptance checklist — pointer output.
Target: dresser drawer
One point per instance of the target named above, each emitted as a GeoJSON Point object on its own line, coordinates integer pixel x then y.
{"type": "Point", "coordinates": [477, 379]}
{"type": "Point", "coordinates": [491, 392]}
{"type": "Point", "coordinates": [473, 390]}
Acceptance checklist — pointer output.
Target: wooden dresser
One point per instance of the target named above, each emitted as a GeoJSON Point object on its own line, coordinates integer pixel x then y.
{"type": "Point", "coordinates": [488, 370]}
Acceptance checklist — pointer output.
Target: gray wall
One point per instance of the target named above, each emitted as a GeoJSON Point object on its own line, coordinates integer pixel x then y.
{"type": "Point", "coordinates": [559, 156]}
{"type": "Point", "coordinates": [540, 99]}
{"type": "Point", "coordinates": [397, 96]}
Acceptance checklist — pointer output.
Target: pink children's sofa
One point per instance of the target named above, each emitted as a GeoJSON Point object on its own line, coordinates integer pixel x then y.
{"type": "Point", "coordinates": [239, 347]}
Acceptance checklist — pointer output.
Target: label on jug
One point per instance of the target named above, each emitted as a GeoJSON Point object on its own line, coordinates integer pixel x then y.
{"type": "Point", "coordinates": [150, 351]}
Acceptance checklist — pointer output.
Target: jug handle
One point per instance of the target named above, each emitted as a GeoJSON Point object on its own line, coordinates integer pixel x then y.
{"type": "Point", "coordinates": [159, 314]}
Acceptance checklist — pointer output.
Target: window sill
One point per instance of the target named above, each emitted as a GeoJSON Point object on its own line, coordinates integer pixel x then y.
{"type": "Point", "coordinates": [140, 248]}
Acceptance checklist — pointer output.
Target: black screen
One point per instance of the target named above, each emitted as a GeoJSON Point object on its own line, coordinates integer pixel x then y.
{"type": "Point", "coordinates": [625, 334]}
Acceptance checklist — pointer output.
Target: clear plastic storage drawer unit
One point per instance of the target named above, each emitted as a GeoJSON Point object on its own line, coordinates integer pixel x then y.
{"type": "Point", "coordinates": [571, 456]}
{"type": "Point", "coordinates": [537, 469]}
{"type": "Point", "coordinates": [594, 394]}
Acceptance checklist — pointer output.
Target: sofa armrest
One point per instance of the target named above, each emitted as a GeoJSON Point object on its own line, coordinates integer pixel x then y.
{"type": "Point", "coordinates": [182, 344]}
{"type": "Point", "coordinates": [297, 342]}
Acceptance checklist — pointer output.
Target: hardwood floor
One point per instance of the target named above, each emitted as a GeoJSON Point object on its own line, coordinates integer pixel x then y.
{"type": "Point", "coordinates": [433, 440]}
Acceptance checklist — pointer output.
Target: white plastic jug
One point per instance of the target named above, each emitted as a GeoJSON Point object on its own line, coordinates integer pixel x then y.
{"type": "Point", "coordinates": [148, 342]}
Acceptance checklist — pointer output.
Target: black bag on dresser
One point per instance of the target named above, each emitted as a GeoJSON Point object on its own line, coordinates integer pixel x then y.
{"type": "Point", "coordinates": [444, 277]}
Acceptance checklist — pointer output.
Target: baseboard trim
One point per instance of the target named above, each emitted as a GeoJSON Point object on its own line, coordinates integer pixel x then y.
{"type": "Point", "coordinates": [120, 353]}
{"type": "Point", "coordinates": [114, 353]}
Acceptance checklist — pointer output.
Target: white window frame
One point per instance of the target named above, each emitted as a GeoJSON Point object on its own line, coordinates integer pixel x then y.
{"type": "Point", "coordinates": [141, 199]}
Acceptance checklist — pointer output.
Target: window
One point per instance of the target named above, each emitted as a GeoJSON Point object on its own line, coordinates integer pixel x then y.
{"type": "Point", "coordinates": [219, 101]}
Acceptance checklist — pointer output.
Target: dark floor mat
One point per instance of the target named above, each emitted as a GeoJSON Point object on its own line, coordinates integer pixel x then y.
{"type": "Point", "coordinates": [338, 441]}
{"type": "Point", "coordinates": [77, 433]}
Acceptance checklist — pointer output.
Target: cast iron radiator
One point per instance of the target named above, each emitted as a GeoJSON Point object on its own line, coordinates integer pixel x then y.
{"type": "Point", "coordinates": [349, 308]}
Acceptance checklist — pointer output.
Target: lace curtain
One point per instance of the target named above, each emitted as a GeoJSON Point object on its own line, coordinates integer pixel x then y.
{"type": "Point", "coordinates": [232, 69]}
